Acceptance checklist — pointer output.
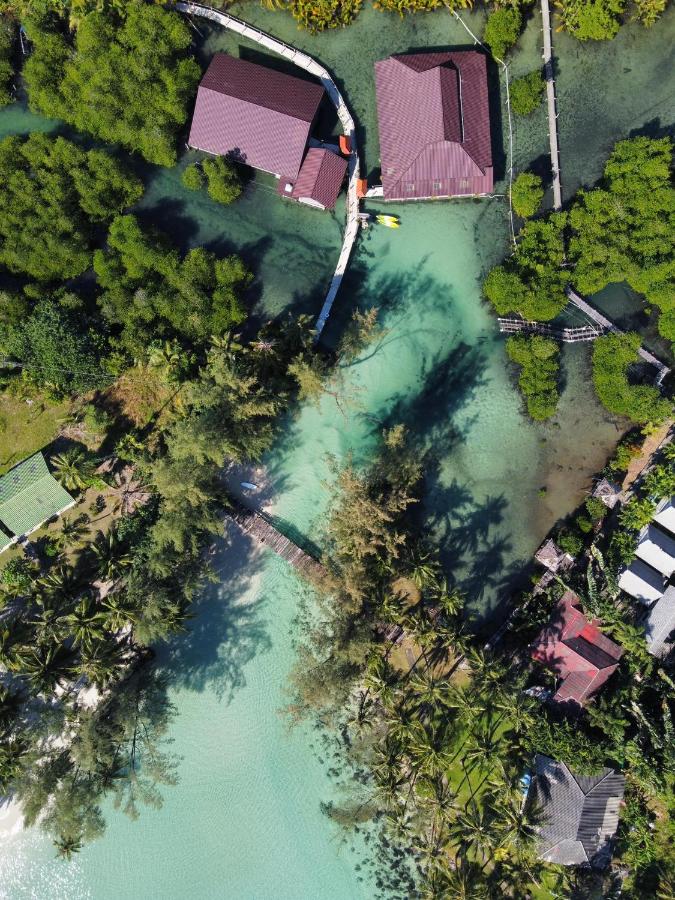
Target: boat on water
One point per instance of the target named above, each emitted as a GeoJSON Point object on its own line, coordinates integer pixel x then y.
{"type": "Point", "coordinates": [388, 221]}
{"type": "Point", "coordinates": [249, 486]}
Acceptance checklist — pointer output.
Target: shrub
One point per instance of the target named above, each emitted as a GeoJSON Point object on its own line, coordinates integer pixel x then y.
{"type": "Point", "coordinates": [596, 20]}
{"type": "Point", "coordinates": [613, 354]}
{"type": "Point", "coordinates": [636, 514]}
{"type": "Point", "coordinates": [596, 508]}
{"type": "Point", "coordinates": [223, 181]}
{"type": "Point", "coordinates": [18, 574]}
{"type": "Point", "coordinates": [526, 194]}
{"type": "Point", "coordinates": [584, 524]}
{"type": "Point", "coordinates": [193, 178]}
{"type": "Point", "coordinates": [502, 29]}
{"type": "Point", "coordinates": [570, 541]}
{"type": "Point", "coordinates": [538, 357]}
{"type": "Point", "coordinates": [623, 455]}
{"type": "Point", "coordinates": [526, 93]}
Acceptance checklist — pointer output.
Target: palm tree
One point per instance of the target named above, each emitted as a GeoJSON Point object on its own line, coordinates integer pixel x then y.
{"type": "Point", "coordinates": [128, 492]}
{"type": "Point", "coordinates": [44, 668]}
{"type": "Point", "coordinates": [73, 469]}
{"type": "Point", "coordinates": [464, 882]}
{"type": "Point", "coordinates": [474, 831]}
{"type": "Point", "coordinates": [427, 752]}
{"type": "Point", "coordinates": [66, 846]}
{"type": "Point", "coordinates": [111, 558]}
{"type": "Point", "coordinates": [100, 664]}
{"type": "Point", "coordinates": [85, 623]}
{"type": "Point", "coordinates": [71, 532]}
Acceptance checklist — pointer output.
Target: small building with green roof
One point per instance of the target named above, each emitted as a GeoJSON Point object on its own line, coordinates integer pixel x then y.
{"type": "Point", "coordinates": [29, 496]}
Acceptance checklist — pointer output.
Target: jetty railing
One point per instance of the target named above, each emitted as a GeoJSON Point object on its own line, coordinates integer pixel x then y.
{"type": "Point", "coordinates": [567, 335]}
{"type": "Point", "coordinates": [552, 103]}
{"type": "Point", "coordinates": [309, 64]}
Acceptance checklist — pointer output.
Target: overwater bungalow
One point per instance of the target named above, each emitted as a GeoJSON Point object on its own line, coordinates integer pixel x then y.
{"type": "Point", "coordinates": [552, 557]}
{"type": "Point", "coordinates": [434, 121]}
{"type": "Point", "coordinates": [608, 492]}
{"type": "Point", "coordinates": [263, 118]}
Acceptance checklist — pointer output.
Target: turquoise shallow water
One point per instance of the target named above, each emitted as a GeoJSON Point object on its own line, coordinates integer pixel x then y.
{"type": "Point", "coordinates": [244, 821]}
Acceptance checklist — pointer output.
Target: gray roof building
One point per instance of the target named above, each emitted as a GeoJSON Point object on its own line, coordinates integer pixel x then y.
{"type": "Point", "coordinates": [660, 624]}
{"type": "Point", "coordinates": [665, 515]}
{"type": "Point", "coordinates": [580, 814]}
{"type": "Point", "coordinates": [657, 548]}
{"type": "Point", "coordinates": [642, 581]}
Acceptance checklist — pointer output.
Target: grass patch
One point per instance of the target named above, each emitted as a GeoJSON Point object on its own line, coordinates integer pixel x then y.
{"type": "Point", "coordinates": [26, 427]}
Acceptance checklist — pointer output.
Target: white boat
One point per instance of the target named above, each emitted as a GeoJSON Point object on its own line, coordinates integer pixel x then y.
{"type": "Point", "coordinates": [247, 485]}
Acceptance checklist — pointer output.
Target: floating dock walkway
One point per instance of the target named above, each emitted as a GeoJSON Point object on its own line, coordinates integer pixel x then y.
{"type": "Point", "coordinates": [261, 528]}
{"type": "Point", "coordinates": [552, 103]}
{"type": "Point", "coordinates": [309, 64]}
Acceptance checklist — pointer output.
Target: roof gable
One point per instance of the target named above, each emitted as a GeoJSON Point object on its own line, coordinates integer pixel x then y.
{"type": "Point", "coordinates": [320, 177]}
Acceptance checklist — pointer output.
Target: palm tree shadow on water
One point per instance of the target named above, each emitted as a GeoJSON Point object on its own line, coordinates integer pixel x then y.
{"type": "Point", "coordinates": [224, 635]}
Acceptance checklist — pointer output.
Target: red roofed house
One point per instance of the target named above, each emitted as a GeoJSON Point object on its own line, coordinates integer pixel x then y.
{"type": "Point", "coordinates": [434, 121]}
{"type": "Point", "coordinates": [264, 118]}
{"type": "Point", "coordinates": [577, 651]}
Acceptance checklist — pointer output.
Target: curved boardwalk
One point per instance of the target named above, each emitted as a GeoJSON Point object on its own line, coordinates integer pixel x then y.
{"type": "Point", "coordinates": [552, 104]}
{"type": "Point", "coordinates": [314, 68]}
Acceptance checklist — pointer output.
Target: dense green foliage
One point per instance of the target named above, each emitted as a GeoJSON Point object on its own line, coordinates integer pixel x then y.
{"type": "Point", "coordinates": [527, 193]}
{"type": "Point", "coordinates": [7, 41]}
{"type": "Point", "coordinates": [526, 93]}
{"type": "Point", "coordinates": [532, 282]}
{"type": "Point", "coordinates": [624, 230]}
{"type": "Point", "coordinates": [54, 196]}
{"type": "Point", "coordinates": [223, 181]}
{"type": "Point", "coordinates": [56, 349]}
{"type": "Point", "coordinates": [538, 358]}
{"type": "Point", "coordinates": [127, 79]}
{"type": "Point", "coordinates": [193, 177]}
{"type": "Point", "coordinates": [597, 20]}
{"type": "Point", "coordinates": [502, 29]}
{"type": "Point", "coordinates": [613, 355]}
{"type": "Point", "coordinates": [150, 292]}
{"type": "Point", "coordinates": [318, 15]}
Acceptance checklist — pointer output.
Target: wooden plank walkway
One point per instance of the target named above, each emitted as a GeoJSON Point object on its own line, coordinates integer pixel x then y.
{"type": "Point", "coordinates": [346, 120]}
{"type": "Point", "coordinates": [567, 335]}
{"type": "Point", "coordinates": [261, 528]}
{"type": "Point", "coordinates": [552, 103]}
{"type": "Point", "coordinates": [608, 325]}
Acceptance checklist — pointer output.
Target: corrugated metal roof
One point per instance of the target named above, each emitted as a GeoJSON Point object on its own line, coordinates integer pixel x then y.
{"type": "Point", "coordinates": [657, 548]}
{"type": "Point", "coordinates": [434, 122]}
{"type": "Point", "coordinates": [29, 495]}
{"type": "Point", "coordinates": [581, 813]}
{"type": "Point", "coordinates": [642, 582]}
{"type": "Point", "coordinates": [665, 515]}
{"type": "Point", "coordinates": [320, 177]}
{"type": "Point", "coordinates": [660, 624]}
{"type": "Point", "coordinates": [254, 114]}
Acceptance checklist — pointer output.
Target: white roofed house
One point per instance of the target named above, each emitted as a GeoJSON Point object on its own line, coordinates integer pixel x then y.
{"type": "Point", "coordinates": [657, 548]}
{"type": "Point", "coordinates": [642, 582]}
{"type": "Point", "coordinates": [665, 515]}
{"type": "Point", "coordinates": [659, 624]}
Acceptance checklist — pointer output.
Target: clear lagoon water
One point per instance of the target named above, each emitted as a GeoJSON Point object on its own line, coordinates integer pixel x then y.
{"type": "Point", "coordinates": [244, 821]}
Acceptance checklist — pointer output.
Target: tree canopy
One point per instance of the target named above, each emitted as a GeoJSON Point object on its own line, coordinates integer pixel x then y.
{"type": "Point", "coordinates": [538, 358]}
{"type": "Point", "coordinates": [527, 193]}
{"type": "Point", "coordinates": [597, 20]}
{"type": "Point", "coordinates": [502, 29]}
{"type": "Point", "coordinates": [7, 37]}
{"type": "Point", "coordinates": [526, 93]}
{"type": "Point", "coordinates": [624, 230]}
{"type": "Point", "coordinates": [150, 292]}
{"type": "Point", "coordinates": [126, 76]}
{"type": "Point", "coordinates": [613, 355]}
{"type": "Point", "coordinates": [532, 282]}
{"type": "Point", "coordinates": [54, 196]}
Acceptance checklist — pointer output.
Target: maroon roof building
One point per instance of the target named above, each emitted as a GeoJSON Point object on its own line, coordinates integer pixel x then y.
{"type": "Point", "coordinates": [577, 651]}
{"type": "Point", "coordinates": [320, 179]}
{"type": "Point", "coordinates": [434, 123]}
{"type": "Point", "coordinates": [255, 115]}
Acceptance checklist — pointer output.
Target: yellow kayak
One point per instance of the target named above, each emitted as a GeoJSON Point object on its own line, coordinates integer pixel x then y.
{"type": "Point", "coordinates": [388, 221]}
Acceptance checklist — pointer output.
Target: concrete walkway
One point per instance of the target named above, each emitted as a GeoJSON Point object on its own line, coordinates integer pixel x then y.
{"type": "Point", "coordinates": [309, 64]}
{"type": "Point", "coordinates": [552, 103]}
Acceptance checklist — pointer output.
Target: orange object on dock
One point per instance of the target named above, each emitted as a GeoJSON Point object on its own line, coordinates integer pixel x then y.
{"type": "Point", "coordinates": [345, 144]}
{"type": "Point", "coordinates": [361, 188]}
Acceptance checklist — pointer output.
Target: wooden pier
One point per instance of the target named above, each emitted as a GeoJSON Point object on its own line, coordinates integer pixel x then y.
{"type": "Point", "coordinates": [552, 103]}
{"type": "Point", "coordinates": [608, 325]}
{"type": "Point", "coordinates": [261, 528]}
{"type": "Point", "coordinates": [567, 335]}
{"type": "Point", "coordinates": [309, 64]}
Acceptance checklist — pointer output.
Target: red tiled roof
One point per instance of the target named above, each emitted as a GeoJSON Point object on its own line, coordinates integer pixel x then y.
{"type": "Point", "coordinates": [576, 650]}
{"type": "Point", "coordinates": [254, 114]}
{"type": "Point", "coordinates": [434, 121]}
{"type": "Point", "coordinates": [320, 177]}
